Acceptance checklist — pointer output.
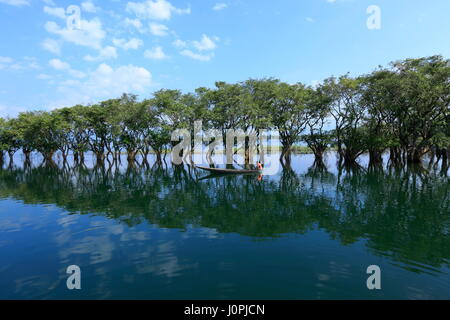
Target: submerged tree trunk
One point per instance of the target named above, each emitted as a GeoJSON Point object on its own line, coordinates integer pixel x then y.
{"type": "Point", "coordinates": [318, 150]}
{"type": "Point", "coordinates": [27, 162]}
{"type": "Point", "coordinates": [247, 151]}
{"type": "Point", "coordinates": [445, 155]}
{"type": "Point", "coordinates": [318, 157]}
{"type": "Point", "coordinates": [27, 154]}
{"type": "Point", "coordinates": [81, 155]}
{"type": "Point", "coordinates": [415, 155]}
{"type": "Point", "coordinates": [131, 155]}
{"type": "Point", "coordinates": [11, 156]}
{"type": "Point", "coordinates": [395, 155]}
{"type": "Point", "coordinates": [286, 153]}
{"type": "Point", "coordinates": [100, 156]}
{"type": "Point", "coordinates": [76, 157]}
{"type": "Point", "coordinates": [145, 155]}
{"type": "Point", "coordinates": [48, 155]}
{"type": "Point", "coordinates": [432, 155]}
{"type": "Point", "coordinates": [48, 158]}
{"type": "Point", "coordinates": [340, 151]}
{"type": "Point", "coordinates": [64, 156]}
{"type": "Point", "coordinates": [375, 158]}
{"type": "Point", "coordinates": [350, 157]}
{"type": "Point", "coordinates": [158, 156]}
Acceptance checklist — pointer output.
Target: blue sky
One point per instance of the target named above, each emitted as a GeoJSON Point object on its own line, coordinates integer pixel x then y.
{"type": "Point", "coordinates": [142, 46]}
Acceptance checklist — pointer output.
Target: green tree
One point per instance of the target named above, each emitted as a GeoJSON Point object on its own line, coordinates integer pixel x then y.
{"type": "Point", "coordinates": [348, 114]}
{"type": "Point", "coordinates": [319, 138]}
{"type": "Point", "coordinates": [290, 115]}
{"type": "Point", "coordinates": [47, 138]}
{"type": "Point", "coordinates": [422, 106]}
{"type": "Point", "coordinates": [10, 137]}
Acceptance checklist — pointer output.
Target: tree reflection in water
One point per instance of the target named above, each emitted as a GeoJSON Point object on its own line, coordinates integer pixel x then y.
{"type": "Point", "coordinates": [402, 212]}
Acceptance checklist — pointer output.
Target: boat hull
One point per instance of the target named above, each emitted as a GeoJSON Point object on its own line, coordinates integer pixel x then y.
{"type": "Point", "coordinates": [228, 171]}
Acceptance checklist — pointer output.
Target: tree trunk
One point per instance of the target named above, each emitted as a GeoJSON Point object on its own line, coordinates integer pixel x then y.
{"type": "Point", "coordinates": [100, 157]}
{"type": "Point", "coordinates": [27, 154]}
{"type": "Point", "coordinates": [286, 152]}
{"type": "Point", "coordinates": [64, 155]}
{"type": "Point", "coordinates": [11, 156]}
{"type": "Point", "coordinates": [247, 151]}
{"type": "Point", "coordinates": [131, 155]}
{"type": "Point", "coordinates": [445, 156]}
{"type": "Point", "coordinates": [340, 151]}
{"type": "Point", "coordinates": [415, 155]}
{"type": "Point", "coordinates": [350, 158]}
{"type": "Point", "coordinates": [318, 151]}
{"type": "Point", "coordinates": [27, 161]}
{"type": "Point", "coordinates": [375, 158]}
{"type": "Point", "coordinates": [432, 155]}
{"type": "Point", "coordinates": [48, 156]}
{"type": "Point", "coordinates": [394, 155]}
{"type": "Point", "coordinates": [318, 155]}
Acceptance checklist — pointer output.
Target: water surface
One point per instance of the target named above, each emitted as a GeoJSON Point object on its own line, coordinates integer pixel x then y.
{"type": "Point", "coordinates": [161, 233]}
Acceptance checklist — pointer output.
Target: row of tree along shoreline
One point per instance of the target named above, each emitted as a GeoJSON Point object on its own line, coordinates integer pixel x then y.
{"type": "Point", "coordinates": [402, 109]}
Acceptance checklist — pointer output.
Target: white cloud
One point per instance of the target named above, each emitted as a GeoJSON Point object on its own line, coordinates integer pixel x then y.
{"type": "Point", "coordinates": [31, 62]}
{"type": "Point", "coordinates": [88, 6]}
{"type": "Point", "coordinates": [104, 83]}
{"type": "Point", "coordinates": [179, 43]}
{"type": "Point", "coordinates": [133, 43]}
{"type": "Point", "coordinates": [17, 3]}
{"type": "Point", "coordinates": [59, 65]}
{"type": "Point", "coordinates": [220, 6]}
{"type": "Point", "coordinates": [309, 19]}
{"type": "Point", "coordinates": [205, 44]}
{"type": "Point", "coordinates": [57, 12]}
{"type": "Point", "coordinates": [64, 66]}
{"type": "Point", "coordinates": [135, 23]}
{"type": "Point", "coordinates": [157, 10]}
{"type": "Point", "coordinates": [158, 29]}
{"type": "Point", "coordinates": [108, 52]}
{"type": "Point", "coordinates": [16, 67]}
{"type": "Point", "coordinates": [331, 1]}
{"type": "Point", "coordinates": [91, 33]}
{"type": "Point", "coordinates": [43, 76]}
{"type": "Point", "coordinates": [7, 63]}
{"type": "Point", "coordinates": [10, 111]}
{"type": "Point", "coordinates": [156, 53]}
{"type": "Point", "coordinates": [197, 56]}
{"type": "Point", "coordinates": [52, 46]}
{"type": "Point", "coordinates": [6, 59]}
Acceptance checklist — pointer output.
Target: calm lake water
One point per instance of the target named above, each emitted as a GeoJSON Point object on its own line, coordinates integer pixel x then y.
{"type": "Point", "coordinates": [161, 233]}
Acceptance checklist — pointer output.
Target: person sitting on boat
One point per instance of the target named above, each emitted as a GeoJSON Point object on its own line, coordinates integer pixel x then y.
{"type": "Point", "coordinates": [260, 166]}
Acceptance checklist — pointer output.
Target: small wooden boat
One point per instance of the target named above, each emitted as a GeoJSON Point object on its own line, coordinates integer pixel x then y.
{"type": "Point", "coordinates": [228, 171]}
